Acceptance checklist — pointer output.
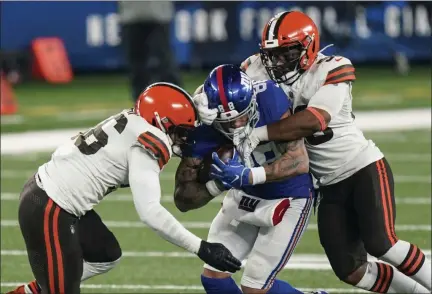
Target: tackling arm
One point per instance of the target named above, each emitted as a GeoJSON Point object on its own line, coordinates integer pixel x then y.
{"type": "Point", "coordinates": [327, 102]}
{"type": "Point", "coordinates": [189, 193]}
{"type": "Point", "coordinates": [299, 125]}
{"type": "Point", "coordinates": [145, 186]}
{"type": "Point", "coordinates": [295, 161]}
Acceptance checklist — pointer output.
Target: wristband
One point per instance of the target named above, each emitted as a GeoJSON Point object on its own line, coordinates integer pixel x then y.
{"type": "Point", "coordinates": [258, 175]}
{"type": "Point", "coordinates": [212, 188]}
{"type": "Point", "coordinates": [261, 133]}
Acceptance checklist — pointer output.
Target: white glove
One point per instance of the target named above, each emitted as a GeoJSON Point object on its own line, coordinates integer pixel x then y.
{"type": "Point", "coordinates": [245, 146]}
{"type": "Point", "coordinates": [207, 116]}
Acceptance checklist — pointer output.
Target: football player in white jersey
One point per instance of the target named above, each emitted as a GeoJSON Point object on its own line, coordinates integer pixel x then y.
{"type": "Point", "coordinates": [357, 212]}
{"type": "Point", "coordinates": [127, 149]}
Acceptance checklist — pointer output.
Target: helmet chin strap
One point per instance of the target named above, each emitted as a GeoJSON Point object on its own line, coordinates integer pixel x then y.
{"type": "Point", "coordinates": [160, 125]}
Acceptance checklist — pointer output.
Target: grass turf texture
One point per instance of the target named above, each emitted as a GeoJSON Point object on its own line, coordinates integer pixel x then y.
{"type": "Point", "coordinates": [88, 99]}
{"type": "Point", "coordinates": [407, 152]}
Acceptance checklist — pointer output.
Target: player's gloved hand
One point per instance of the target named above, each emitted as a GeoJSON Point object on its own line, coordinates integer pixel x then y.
{"type": "Point", "coordinates": [246, 145]}
{"type": "Point", "coordinates": [218, 256]}
{"type": "Point", "coordinates": [232, 174]}
{"type": "Point", "coordinates": [207, 116]}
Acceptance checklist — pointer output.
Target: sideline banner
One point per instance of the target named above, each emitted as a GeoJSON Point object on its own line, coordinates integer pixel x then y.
{"type": "Point", "coordinates": [209, 33]}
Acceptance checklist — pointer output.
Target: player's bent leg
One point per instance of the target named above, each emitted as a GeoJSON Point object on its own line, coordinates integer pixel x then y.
{"type": "Point", "coordinates": [375, 207]}
{"type": "Point", "coordinates": [101, 250]}
{"type": "Point", "coordinates": [239, 239]}
{"type": "Point", "coordinates": [52, 244]}
{"type": "Point", "coordinates": [273, 248]}
{"type": "Point", "coordinates": [411, 261]}
{"type": "Point", "coordinates": [344, 249]}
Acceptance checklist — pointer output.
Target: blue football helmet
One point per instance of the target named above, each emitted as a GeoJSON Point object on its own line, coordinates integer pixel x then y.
{"type": "Point", "coordinates": [231, 92]}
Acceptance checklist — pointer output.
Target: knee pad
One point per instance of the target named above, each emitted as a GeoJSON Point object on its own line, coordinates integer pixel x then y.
{"type": "Point", "coordinates": [91, 269]}
{"type": "Point", "coordinates": [344, 267]}
{"type": "Point", "coordinates": [111, 252]}
{"type": "Point", "coordinates": [377, 246]}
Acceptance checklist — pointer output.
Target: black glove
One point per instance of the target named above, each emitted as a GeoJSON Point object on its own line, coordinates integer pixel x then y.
{"type": "Point", "coordinates": [218, 256]}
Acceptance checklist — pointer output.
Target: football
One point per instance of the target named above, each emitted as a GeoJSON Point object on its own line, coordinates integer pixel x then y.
{"type": "Point", "coordinates": [225, 153]}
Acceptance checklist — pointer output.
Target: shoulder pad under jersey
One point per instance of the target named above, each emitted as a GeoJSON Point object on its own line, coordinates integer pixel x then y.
{"type": "Point", "coordinates": [325, 71]}
{"type": "Point", "coordinates": [254, 68]}
{"type": "Point", "coordinates": [335, 69]}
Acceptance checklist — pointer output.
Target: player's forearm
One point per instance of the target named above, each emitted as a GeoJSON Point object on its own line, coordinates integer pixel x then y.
{"type": "Point", "coordinates": [286, 167]}
{"type": "Point", "coordinates": [168, 227]}
{"type": "Point", "coordinates": [154, 215]}
{"type": "Point", "coordinates": [193, 189]}
{"type": "Point", "coordinates": [191, 195]}
{"type": "Point", "coordinates": [294, 162]}
{"type": "Point", "coordinates": [295, 127]}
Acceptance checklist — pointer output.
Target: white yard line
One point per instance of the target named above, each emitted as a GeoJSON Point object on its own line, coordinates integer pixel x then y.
{"type": "Point", "coordinates": [296, 258]}
{"type": "Point", "coordinates": [375, 121]}
{"type": "Point", "coordinates": [408, 157]}
{"type": "Point", "coordinates": [297, 261]}
{"type": "Point", "coordinates": [206, 225]}
{"type": "Point", "coordinates": [412, 179]}
{"type": "Point", "coordinates": [22, 174]}
{"type": "Point", "coordinates": [63, 116]}
{"type": "Point", "coordinates": [169, 199]}
{"type": "Point", "coordinates": [396, 157]}
{"type": "Point", "coordinates": [176, 287]}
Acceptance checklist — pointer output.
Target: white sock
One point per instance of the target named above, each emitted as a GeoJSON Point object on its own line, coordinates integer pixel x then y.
{"type": "Point", "coordinates": [32, 288]}
{"type": "Point", "coordinates": [91, 269]}
{"type": "Point", "coordinates": [383, 278]}
{"type": "Point", "coordinates": [411, 261]}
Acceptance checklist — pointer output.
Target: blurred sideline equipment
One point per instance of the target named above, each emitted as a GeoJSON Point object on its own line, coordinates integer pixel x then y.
{"type": "Point", "coordinates": [7, 102]}
{"type": "Point", "coordinates": [84, 170]}
{"type": "Point", "coordinates": [146, 38]}
{"type": "Point", "coordinates": [51, 62]}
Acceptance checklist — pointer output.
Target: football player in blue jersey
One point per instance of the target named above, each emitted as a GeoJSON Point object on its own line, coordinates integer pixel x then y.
{"type": "Point", "coordinates": [267, 206]}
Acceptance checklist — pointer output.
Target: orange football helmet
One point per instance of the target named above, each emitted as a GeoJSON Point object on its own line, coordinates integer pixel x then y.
{"type": "Point", "coordinates": [289, 46]}
{"type": "Point", "coordinates": [169, 108]}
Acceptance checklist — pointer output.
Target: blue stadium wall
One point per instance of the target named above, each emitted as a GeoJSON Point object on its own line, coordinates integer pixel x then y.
{"type": "Point", "coordinates": [208, 33]}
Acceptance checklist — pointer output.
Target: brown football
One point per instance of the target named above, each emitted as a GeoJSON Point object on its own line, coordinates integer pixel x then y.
{"type": "Point", "coordinates": [225, 153]}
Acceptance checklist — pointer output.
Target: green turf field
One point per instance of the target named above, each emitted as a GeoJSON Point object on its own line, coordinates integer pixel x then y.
{"type": "Point", "coordinates": [88, 99]}
{"type": "Point", "coordinates": [152, 265]}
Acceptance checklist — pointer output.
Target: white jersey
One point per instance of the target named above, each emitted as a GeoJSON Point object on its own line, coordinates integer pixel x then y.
{"type": "Point", "coordinates": [91, 165]}
{"type": "Point", "coordinates": [123, 150]}
{"type": "Point", "coordinates": [341, 149]}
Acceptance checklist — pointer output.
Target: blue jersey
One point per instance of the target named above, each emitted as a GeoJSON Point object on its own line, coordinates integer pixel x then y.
{"type": "Point", "coordinates": [272, 105]}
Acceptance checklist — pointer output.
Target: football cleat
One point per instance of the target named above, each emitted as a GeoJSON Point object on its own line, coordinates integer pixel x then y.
{"type": "Point", "coordinates": [30, 288]}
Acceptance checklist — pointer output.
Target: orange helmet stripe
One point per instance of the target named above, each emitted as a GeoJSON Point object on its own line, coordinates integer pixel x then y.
{"type": "Point", "coordinates": [279, 22]}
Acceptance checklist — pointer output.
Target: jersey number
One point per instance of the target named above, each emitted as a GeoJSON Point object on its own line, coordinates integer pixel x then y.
{"type": "Point", "coordinates": [316, 140]}
{"type": "Point", "coordinates": [329, 58]}
{"type": "Point", "coordinates": [265, 153]}
{"type": "Point", "coordinates": [94, 139]}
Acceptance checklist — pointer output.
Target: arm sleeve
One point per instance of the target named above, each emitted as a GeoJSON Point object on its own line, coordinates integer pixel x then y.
{"type": "Point", "coordinates": [145, 186]}
{"type": "Point", "coordinates": [330, 98]}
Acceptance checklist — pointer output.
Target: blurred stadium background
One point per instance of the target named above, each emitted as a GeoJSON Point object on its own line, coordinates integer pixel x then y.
{"type": "Point", "coordinates": [388, 42]}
